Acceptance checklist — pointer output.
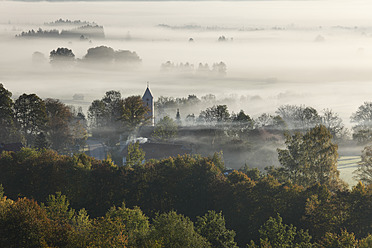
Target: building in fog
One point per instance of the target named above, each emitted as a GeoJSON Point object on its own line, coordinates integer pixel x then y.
{"type": "Point", "coordinates": [148, 101]}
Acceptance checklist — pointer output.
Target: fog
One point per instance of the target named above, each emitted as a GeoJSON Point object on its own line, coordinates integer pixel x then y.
{"type": "Point", "coordinates": [316, 53]}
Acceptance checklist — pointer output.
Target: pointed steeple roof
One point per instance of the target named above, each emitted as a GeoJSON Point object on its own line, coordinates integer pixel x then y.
{"type": "Point", "coordinates": [147, 92]}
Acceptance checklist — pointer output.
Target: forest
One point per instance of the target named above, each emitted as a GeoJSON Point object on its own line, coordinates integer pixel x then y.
{"type": "Point", "coordinates": [52, 200]}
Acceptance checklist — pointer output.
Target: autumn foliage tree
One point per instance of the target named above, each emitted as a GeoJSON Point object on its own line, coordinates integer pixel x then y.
{"type": "Point", "coordinates": [310, 158]}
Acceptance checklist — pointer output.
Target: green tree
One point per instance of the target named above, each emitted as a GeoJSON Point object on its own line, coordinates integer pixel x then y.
{"type": "Point", "coordinates": [310, 158]}
{"type": "Point", "coordinates": [8, 131]}
{"type": "Point", "coordinates": [217, 113]}
{"type": "Point", "coordinates": [366, 242]}
{"type": "Point", "coordinates": [333, 123]}
{"type": "Point", "coordinates": [134, 112]}
{"type": "Point", "coordinates": [252, 173]}
{"type": "Point", "coordinates": [104, 116]}
{"type": "Point", "coordinates": [212, 227]}
{"type": "Point", "coordinates": [136, 224]}
{"type": "Point", "coordinates": [1, 191]}
{"type": "Point", "coordinates": [24, 223]}
{"type": "Point", "coordinates": [79, 133]}
{"type": "Point", "coordinates": [333, 240]}
{"type": "Point", "coordinates": [101, 54]}
{"type": "Point", "coordinates": [81, 229]}
{"type": "Point", "coordinates": [364, 171]}
{"type": "Point", "coordinates": [31, 116]}
{"type": "Point", "coordinates": [165, 129]}
{"type": "Point", "coordinates": [58, 208]}
{"type": "Point", "coordinates": [274, 233]}
{"type": "Point", "coordinates": [107, 233]}
{"type": "Point", "coordinates": [359, 210]}
{"type": "Point", "coordinates": [176, 231]}
{"type": "Point", "coordinates": [362, 131]}
{"type": "Point", "coordinates": [59, 118]}
{"type": "Point", "coordinates": [61, 56]}
{"type": "Point", "coordinates": [97, 114]}
{"type": "Point", "coordinates": [41, 141]}
{"type": "Point", "coordinates": [299, 117]}
{"type": "Point", "coordinates": [135, 155]}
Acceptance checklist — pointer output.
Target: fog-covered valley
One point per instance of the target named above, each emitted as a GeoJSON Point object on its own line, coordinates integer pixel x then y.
{"type": "Point", "coordinates": [316, 53]}
{"type": "Point", "coordinates": [185, 123]}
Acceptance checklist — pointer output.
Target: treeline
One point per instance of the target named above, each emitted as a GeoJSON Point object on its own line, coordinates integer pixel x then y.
{"type": "Point", "coordinates": [87, 31]}
{"type": "Point", "coordinates": [217, 69]}
{"type": "Point", "coordinates": [287, 117]}
{"type": "Point", "coordinates": [41, 123]}
{"type": "Point", "coordinates": [63, 22]}
{"type": "Point", "coordinates": [310, 216]}
{"type": "Point", "coordinates": [102, 55]}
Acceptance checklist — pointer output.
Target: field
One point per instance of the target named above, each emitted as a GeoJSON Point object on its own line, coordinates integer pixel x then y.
{"type": "Point", "coordinates": [347, 165]}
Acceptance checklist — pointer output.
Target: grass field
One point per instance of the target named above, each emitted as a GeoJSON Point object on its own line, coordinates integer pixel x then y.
{"type": "Point", "coordinates": [347, 165]}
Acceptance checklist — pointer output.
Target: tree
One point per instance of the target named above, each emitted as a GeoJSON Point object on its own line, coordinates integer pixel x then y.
{"type": "Point", "coordinates": [134, 112]}
{"type": "Point", "coordinates": [333, 123]}
{"type": "Point", "coordinates": [79, 133]}
{"type": "Point", "coordinates": [59, 119]}
{"type": "Point", "coordinates": [362, 131]}
{"type": "Point", "coordinates": [219, 68]}
{"type": "Point", "coordinates": [1, 191]}
{"type": "Point", "coordinates": [344, 240]}
{"type": "Point", "coordinates": [243, 121]}
{"type": "Point", "coordinates": [135, 155]}
{"type": "Point", "coordinates": [104, 54]}
{"type": "Point", "coordinates": [212, 227]}
{"type": "Point", "coordinates": [299, 117]}
{"type": "Point", "coordinates": [363, 115]}
{"type": "Point", "coordinates": [41, 141]}
{"type": "Point", "coordinates": [58, 208]}
{"type": "Point", "coordinates": [107, 233]}
{"type": "Point", "coordinates": [125, 56]}
{"type": "Point", "coordinates": [31, 116]}
{"type": "Point", "coordinates": [217, 113]}
{"type": "Point", "coordinates": [364, 171]}
{"type": "Point", "coordinates": [61, 55]}
{"type": "Point", "coordinates": [176, 231]}
{"type": "Point", "coordinates": [310, 158]}
{"type": "Point", "coordinates": [104, 116]}
{"type": "Point", "coordinates": [276, 234]}
{"type": "Point", "coordinates": [113, 107]}
{"type": "Point", "coordinates": [264, 120]}
{"type": "Point", "coordinates": [165, 129]}
{"type": "Point", "coordinates": [101, 54]}
{"type": "Point", "coordinates": [7, 131]}
{"type": "Point", "coordinates": [97, 114]}
{"type": "Point", "coordinates": [25, 224]}
{"type": "Point", "coordinates": [136, 224]}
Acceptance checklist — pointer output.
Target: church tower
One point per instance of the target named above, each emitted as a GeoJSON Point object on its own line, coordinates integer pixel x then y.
{"type": "Point", "coordinates": [148, 101]}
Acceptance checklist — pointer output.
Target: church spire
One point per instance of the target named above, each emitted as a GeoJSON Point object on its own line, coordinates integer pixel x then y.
{"type": "Point", "coordinates": [148, 101]}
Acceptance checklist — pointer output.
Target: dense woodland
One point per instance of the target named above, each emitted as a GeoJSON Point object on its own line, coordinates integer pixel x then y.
{"type": "Point", "coordinates": [170, 195]}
